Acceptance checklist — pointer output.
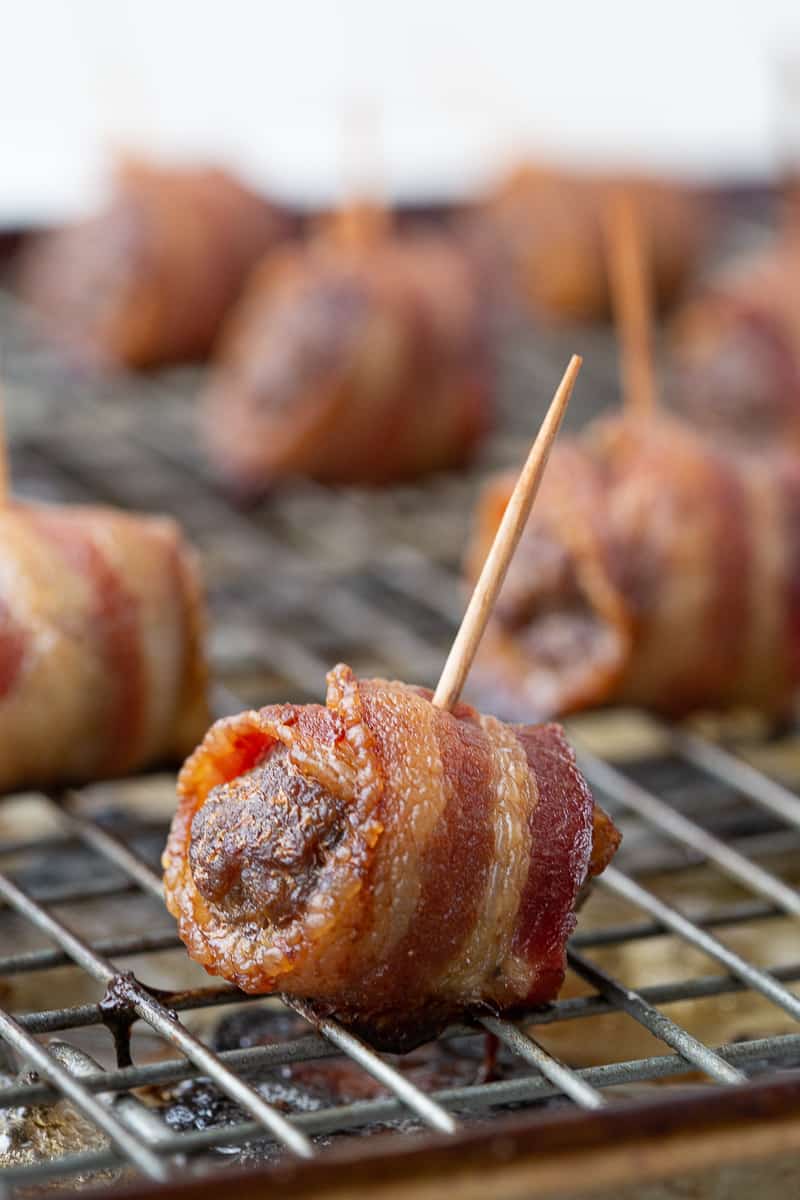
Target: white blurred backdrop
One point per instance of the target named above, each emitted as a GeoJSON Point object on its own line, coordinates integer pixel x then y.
{"type": "Point", "coordinates": [432, 94]}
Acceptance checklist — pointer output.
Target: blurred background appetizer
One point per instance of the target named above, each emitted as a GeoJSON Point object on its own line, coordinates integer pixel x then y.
{"type": "Point", "coordinates": [541, 229]}
{"type": "Point", "coordinates": [150, 278]}
{"type": "Point", "coordinates": [736, 347]}
{"type": "Point", "coordinates": [358, 357]}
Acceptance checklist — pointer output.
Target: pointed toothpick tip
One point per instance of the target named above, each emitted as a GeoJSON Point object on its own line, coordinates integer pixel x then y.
{"type": "Point", "coordinates": [518, 509]}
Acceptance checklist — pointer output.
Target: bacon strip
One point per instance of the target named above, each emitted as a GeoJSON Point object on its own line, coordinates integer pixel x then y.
{"type": "Point", "coordinates": [13, 646]}
{"type": "Point", "coordinates": [351, 362]}
{"type": "Point", "coordinates": [562, 832]}
{"type": "Point", "coordinates": [656, 570]}
{"type": "Point", "coordinates": [436, 870]}
{"type": "Point", "coordinates": [101, 664]}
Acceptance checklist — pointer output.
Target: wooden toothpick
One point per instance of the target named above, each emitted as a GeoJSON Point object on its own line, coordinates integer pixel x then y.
{"type": "Point", "coordinates": [631, 300]}
{"type": "Point", "coordinates": [364, 216]}
{"type": "Point", "coordinates": [462, 652]}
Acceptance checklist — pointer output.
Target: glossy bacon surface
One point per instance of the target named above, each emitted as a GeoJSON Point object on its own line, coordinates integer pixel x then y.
{"type": "Point", "coordinates": [354, 360]}
{"type": "Point", "coordinates": [101, 662]}
{"type": "Point", "coordinates": [656, 570]}
{"type": "Point", "coordinates": [150, 279]}
{"type": "Point", "coordinates": [396, 863]}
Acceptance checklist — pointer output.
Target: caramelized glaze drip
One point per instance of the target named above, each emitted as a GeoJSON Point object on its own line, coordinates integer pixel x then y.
{"type": "Point", "coordinates": [259, 841]}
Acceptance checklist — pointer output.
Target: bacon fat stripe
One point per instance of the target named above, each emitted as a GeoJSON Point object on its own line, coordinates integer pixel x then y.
{"type": "Point", "coordinates": [396, 863]}
{"type": "Point", "coordinates": [656, 570]}
{"type": "Point", "coordinates": [99, 638]}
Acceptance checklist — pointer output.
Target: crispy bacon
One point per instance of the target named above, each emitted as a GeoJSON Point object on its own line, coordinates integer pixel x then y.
{"type": "Point", "coordinates": [101, 663]}
{"type": "Point", "coordinates": [656, 570]}
{"type": "Point", "coordinates": [398, 864]}
{"type": "Point", "coordinates": [542, 229]}
{"type": "Point", "coordinates": [150, 279]}
{"type": "Point", "coordinates": [353, 359]}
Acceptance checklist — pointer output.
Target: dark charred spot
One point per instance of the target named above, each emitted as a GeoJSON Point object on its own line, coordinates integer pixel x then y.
{"type": "Point", "coordinates": [260, 840]}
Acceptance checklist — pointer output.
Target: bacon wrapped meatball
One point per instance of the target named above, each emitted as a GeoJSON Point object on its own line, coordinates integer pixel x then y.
{"type": "Point", "coordinates": [737, 350]}
{"type": "Point", "coordinates": [354, 359]}
{"type": "Point", "coordinates": [150, 279]}
{"type": "Point", "coordinates": [101, 661]}
{"type": "Point", "coordinates": [543, 231]}
{"type": "Point", "coordinates": [394, 862]}
{"type": "Point", "coordinates": [655, 570]}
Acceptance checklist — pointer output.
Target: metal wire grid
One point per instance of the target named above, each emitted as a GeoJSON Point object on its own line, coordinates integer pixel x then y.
{"type": "Point", "coordinates": [296, 583]}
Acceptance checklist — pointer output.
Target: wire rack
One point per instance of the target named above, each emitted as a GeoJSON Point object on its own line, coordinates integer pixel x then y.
{"type": "Point", "coordinates": [302, 580]}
